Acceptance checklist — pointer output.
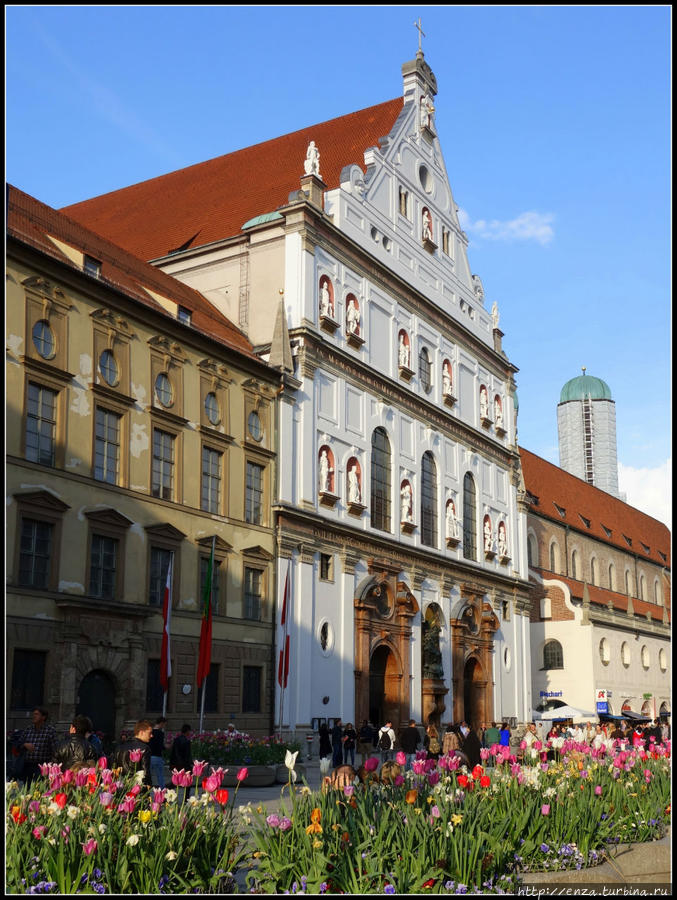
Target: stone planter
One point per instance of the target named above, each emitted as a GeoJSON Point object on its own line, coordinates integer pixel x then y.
{"type": "Point", "coordinates": [282, 773]}
{"type": "Point", "coordinates": [258, 776]}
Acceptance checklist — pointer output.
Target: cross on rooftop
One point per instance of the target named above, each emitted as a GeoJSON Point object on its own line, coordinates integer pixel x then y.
{"type": "Point", "coordinates": [421, 33]}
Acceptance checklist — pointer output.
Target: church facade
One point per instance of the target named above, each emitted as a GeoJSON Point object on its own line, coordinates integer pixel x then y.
{"type": "Point", "coordinates": [400, 510]}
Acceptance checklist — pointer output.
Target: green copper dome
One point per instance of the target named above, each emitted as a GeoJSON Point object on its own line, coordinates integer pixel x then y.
{"type": "Point", "coordinates": [585, 386]}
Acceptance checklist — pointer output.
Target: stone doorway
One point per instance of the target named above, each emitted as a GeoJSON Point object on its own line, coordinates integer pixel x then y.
{"type": "Point", "coordinates": [96, 699]}
{"type": "Point", "coordinates": [384, 684]}
{"type": "Point", "coordinates": [473, 688]}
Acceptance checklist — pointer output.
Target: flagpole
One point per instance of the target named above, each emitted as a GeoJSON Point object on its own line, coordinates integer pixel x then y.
{"type": "Point", "coordinates": [211, 591]}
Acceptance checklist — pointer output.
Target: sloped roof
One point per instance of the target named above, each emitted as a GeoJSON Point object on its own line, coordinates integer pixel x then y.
{"type": "Point", "coordinates": [33, 223]}
{"type": "Point", "coordinates": [600, 596]}
{"type": "Point", "coordinates": [569, 500]}
{"type": "Point", "coordinates": [212, 200]}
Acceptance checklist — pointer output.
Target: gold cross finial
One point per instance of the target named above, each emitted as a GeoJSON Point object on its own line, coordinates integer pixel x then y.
{"type": "Point", "coordinates": [421, 33]}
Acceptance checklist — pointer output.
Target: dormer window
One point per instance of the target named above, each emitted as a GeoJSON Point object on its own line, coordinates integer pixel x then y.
{"type": "Point", "coordinates": [607, 531]}
{"type": "Point", "coordinates": [627, 540]}
{"type": "Point", "coordinates": [646, 549]}
{"type": "Point", "coordinates": [585, 521]}
{"type": "Point", "coordinates": [560, 509]}
{"type": "Point", "coordinates": [92, 266]}
{"type": "Point", "coordinates": [184, 315]}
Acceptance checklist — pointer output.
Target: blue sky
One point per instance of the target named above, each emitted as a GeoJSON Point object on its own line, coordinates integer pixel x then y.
{"type": "Point", "coordinates": [555, 129]}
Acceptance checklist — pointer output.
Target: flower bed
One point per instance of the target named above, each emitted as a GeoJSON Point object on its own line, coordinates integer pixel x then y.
{"type": "Point", "coordinates": [222, 749]}
{"type": "Point", "coordinates": [439, 828]}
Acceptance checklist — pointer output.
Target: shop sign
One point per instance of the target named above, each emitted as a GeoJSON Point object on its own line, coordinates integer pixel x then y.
{"type": "Point", "coordinates": [602, 702]}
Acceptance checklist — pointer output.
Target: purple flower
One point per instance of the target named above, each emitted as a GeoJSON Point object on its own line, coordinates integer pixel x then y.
{"type": "Point", "coordinates": [285, 824]}
{"type": "Point", "coordinates": [273, 820]}
{"type": "Point", "coordinates": [389, 889]}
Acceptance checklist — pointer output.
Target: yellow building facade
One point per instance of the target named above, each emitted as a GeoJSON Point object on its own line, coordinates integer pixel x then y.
{"type": "Point", "coordinates": [140, 435]}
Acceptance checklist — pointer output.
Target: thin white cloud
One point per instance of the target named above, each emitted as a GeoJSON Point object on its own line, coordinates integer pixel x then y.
{"type": "Point", "coordinates": [648, 490]}
{"type": "Point", "coordinates": [528, 226]}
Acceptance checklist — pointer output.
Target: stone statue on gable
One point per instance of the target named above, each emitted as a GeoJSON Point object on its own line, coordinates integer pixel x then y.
{"type": "Point", "coordinates": [312, 163]}
{"type": "Point", "coordinates": [494, 314]}
{"type": "Point", "coordinates": [477, 287]}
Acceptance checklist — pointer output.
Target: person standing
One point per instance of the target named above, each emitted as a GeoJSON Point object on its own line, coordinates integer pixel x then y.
{"type": "Point", "coordinates": [337, 743]}
{"type": "Point", "coordinates": [431, 741]}
{"type": "Point", "coordinates": [325, 741]}
{"type": "Point", "coordinates": [492, 736]}
{"type": "Point", "coordinates": [470, 744]}
{"type": "Point", "coordinates": [409, 741]}
{"type": "Point", "coordinates": [365, 741]}
{"type": "Point", "coordinates": [181, 756]}
{"type": "Point", "coordinates": [504, 735]}
{"type": "Point", "coordinates": [38, 742]}
{"type": "Point", "coordinates": [386, 741]}
{"type": "Point", "coordinates": [123, 759]}
{"type": "Point", "coordinates": [76, 749]}
{"type": "Point", "coordinates": [349, 740]}
{"type": "Point", "coordinates": [157, 746]}
{"type": "Point", "coordinates": [450, 740]}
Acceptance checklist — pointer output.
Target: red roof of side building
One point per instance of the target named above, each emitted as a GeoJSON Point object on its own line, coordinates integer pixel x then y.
{"type": "Point", "coordinates": [34, 223]}
{"type": "Point", "coordinates": [571, 501]}
{"type": "Point", "coordinates": [601, 597]}
{"type": "Point", "coordinates": [212, 200]}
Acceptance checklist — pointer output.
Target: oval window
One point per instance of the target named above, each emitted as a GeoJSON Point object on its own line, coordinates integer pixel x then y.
{"type": "Point", "coordinates": [109, 368]}
{"type": "Point", "coordinates": [212, 408]}
{"type": "Point", "coordinates": [163, 389]}
{"type": "Point", "coordinates": [255, 426]}
{"type": "Point", "coordinates": [43, 339]}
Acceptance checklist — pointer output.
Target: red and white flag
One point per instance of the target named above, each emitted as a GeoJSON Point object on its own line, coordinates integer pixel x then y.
{"type": "Point", "coordinates": [166, 657]}
{"type": "Point", "coordinates": [283, 665]}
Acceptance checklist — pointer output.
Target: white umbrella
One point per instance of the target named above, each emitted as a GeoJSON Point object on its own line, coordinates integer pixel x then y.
{"type": "Point", "coordinates": [567, 712]}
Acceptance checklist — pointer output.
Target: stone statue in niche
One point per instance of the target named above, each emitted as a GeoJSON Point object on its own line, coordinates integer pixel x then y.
{"type": "Point", "coordinates": [494, 314]}
{"type": "Point", "coordinates": [427, 110]}
{"type": "Point", "coordinates": [405, 502]}
{"type": "Point", "coordinates": [326, 308]}
{"type": "Point", "coordinates": [498, 412]}
{"type": "Point", "coordinates": [452, 521]}
{"type": "Point", "coordinates": [311, 165]}
{"type": "Point", "coordinates": [427, 225]}
{"type": "Point", "coordinates": [484, 403]}
{"type": "Point", "coordinates": [502, 540]}
{"type": "Point", "coordinates": [325, 472]}
{"type": "Point", "coordinates": [353, 317]}
{"type": "Point", "coordinates": [432, 656]}
{"type": "Point", "coordinates": [354, 492]}
{"type": "Point", "coordinates": [403, 352]}
{"type": "Point", "coordinates": [477, 287]}
{"type": "Point", "coordinates": [446, 379]}
{"type": "Point", "coordinates": [488, 536]}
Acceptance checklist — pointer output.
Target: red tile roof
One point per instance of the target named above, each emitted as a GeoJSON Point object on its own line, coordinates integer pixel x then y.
{"type": "Point", "coordinates": [32, 222]}
{"type": "Point", "coordinates": [553, 487]}
{"type": "Point", "coordinates": [601, 596]}
{"type": "Point", "coordinates": [212, 200]}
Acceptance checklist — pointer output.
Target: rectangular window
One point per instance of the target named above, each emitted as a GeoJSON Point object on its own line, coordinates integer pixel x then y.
{"type": "Point", "coordinates": [251, 689]}
{"type": "Point", "coordinates": [28, 679]}
{"type": "Point", "coordinates": [154, 689]}
{"type": "Point", "coordinates": [92, 266]}
{"type": "Point", "coordinates": [445, 241]}
{"type": "Point", "coordinates": [326, 567]}
{"type": "Point", "coordinates": [253, 581]}
{"type": "Point", "coordinates": [34, 553]}
{"type": "Point", "coordinates": [163, 465]}
{"type": "Point", "coordinates": [254, 494]}
{"type": "Point", "coordinates": [211, 480]}
{"type": "Point", "coordinates": [159, 564]}
{"type": "Point", "coordinates": [103, 567]}
{"type": "Point", "coordinates": [107, 446]}
{"type": "Point", "coordinates": [184, 315]}
{"type": "Point", "coordinates": [204, 565]}
{"type": "Point", "coordinates": [210, 687]}
{"type": "Point", "coordinates": [40, 425]}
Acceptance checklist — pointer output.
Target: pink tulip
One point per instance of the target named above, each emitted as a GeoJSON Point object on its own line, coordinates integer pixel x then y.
{"type": "Point", "coordinates": [198, 768]}
{"type": "Point", "coordinates": [159, 796]}
{"type": "Point", "coordinates": [106, 776]}
{"type": "Point", "coordinates": [433, 778]}
{"type": "Point", "coordinates": [105, 798]}
{"type": "Point", "coordinates": [68, 777]}
{"type": "Point", "coordinates": [399, 780]}
{"type": "Point", "coordinates": [400, 758]}
{"type": "Point", "coordinates": [135, 755]}
{"type": "Point", "coordinates": [242, 774]}
{"type": "Point", "coordinates": [177, 776]}
{"type": "Point", "coordinates": [39, 831]}
{"type": "Point", "coordinates": [484, 754]}
{"type": "Point", "coordinates": [81, 777]}
{"type": "Point", "coordinates": [371, 764]}
{"type": "Point", "coordinates": [523, 745]}
{"type": "Point", "coordinates": [349, 790]}
{"type": "Point", "coordinates": [102, 762]}
{"type": "Point", "coordinates": [127, 805]}
{"type": "Point", "coordinates": [211, 783]}
{"type": "Point", "coordinates": [417, 766]}
{"type": "Point", "coordinates": [454, 763]}
{"type": "Point", "coordinates": [598, 790]}
{"type": "Point", "coordinates": [545, 810]}
{"type": "Point", "coordinates": [89, 847]}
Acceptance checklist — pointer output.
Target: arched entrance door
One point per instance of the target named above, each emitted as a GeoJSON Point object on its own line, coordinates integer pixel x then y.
{"type": "Point", "coordinates": [472, 675]}
{"type": "Point", "coordinates": [96, 699]}
{"type": "Point", "coordinates": [384, 687]}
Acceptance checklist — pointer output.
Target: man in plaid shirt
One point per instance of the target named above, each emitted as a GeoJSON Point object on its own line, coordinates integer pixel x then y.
{"type": "Point", "coordinates": [39, 743]}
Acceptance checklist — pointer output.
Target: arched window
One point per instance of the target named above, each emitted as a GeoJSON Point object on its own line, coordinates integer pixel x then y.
{"type": "Point", "coordinates": [469, 518]}
{"type": "Point", "coordinates": [642, 587]}
{"type": "Point", "coordinates": [553, 658]}
{"type": "Point", "coordinates": [428, 500]}
{"type": "Point", "coordinates": [657, 595]}
{"type": "Point", "coordinates": [604, 652]}
{"type": "Point", "coordinates": [532, 550]}
{"type": "Point", "coordinates": [574, 564]}
{"type": "Point", "coordinates": [554, 557]}
{"type": "Point", "coordinates": [425, 369]}
{"type": "Point", "coordinates": [628, 582]}
{"type": "Point", "coordinates": [380, 480]}
{"type": "Point", "coordinates": [593, 570]}
{"type": "Point", "coordinates": [612, 577]}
